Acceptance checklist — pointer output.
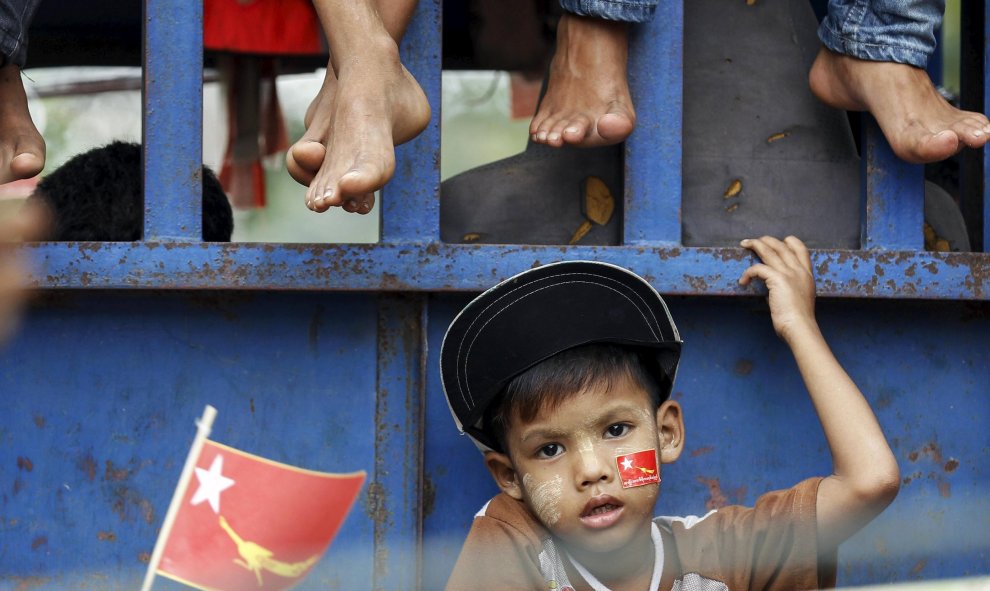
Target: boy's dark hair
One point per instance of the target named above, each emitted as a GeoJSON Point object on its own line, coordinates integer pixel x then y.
{"type": "Point", "coordinates": [99, 196]}
{"type": "Point", "coordinates": [548, 384]}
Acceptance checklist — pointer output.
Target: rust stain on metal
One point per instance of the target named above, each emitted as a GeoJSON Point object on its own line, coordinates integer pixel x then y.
{"type": "Point", "coordinates": [144, 557]}
{"type": "Point", "coordinates": [918, 567]}
{"type": "Point", "coordinates": [702, 451]}
{"type": "Point", "coordinates": [24, 463]}
{"type": "Point", "coordinates": [951, 465]}
{"type": "Point", "coordinates": [18, 485]}
{"type": "Point", "coordinates": [106, 536]}
{"type": "Point", "coordinates": [777, 136]}
{"type": "Point", "coordinates": [716, 498]}
{"type": "Point", "coordinates": [944, 489]}
{"type": "Point", "coordinates": [744, 367]}
{"type": "Point", "coordinates": [429, 495]}
{"type": "Point", "coordinates": [28, 583]}
{"type": "Point", "coordinates": [732, 208]}
{"type": "Point", "coordinates": [39, 542]}
{"type": "Point", "coordinates": [39, 421]}
{"type": "Point", "coordinates": [114, 474]}
{"type": "Point", "coordinates": [696, 283]}
{"type": "Point", "coordinates": [88, 465]}
{"type": "Point", "coordinates": [375, 508]}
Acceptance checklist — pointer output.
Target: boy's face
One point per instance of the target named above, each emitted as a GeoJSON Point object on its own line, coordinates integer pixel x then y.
{"type": "Point", "coordinates": [563, 464]}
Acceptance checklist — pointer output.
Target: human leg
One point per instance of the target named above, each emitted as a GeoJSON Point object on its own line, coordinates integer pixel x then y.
{"type": "Point", "coordinates": [22, 149]}
{"type": "Point", "coordinates": [368, 104]}
{"type": "Point", "coordinates": [587, 102]}
{"type": "Point", "coordinates": [873, 58]}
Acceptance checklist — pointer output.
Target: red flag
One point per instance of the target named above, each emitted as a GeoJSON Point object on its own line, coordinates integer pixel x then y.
{"type": "Point", "coordinates": [246, 522]}
{"type": "Point", "coordinates": [638, 469]}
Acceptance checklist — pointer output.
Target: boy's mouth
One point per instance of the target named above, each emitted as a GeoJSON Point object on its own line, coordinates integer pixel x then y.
{"type": "Point", "coordinates": [601, 511]}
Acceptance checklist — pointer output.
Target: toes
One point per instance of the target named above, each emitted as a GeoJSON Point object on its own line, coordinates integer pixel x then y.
{"type": "Point", "coordinates": [368, 174]}
{"type": "Point", "coordinates": [576, 129]}
{"type": "Point", "coordinates": [972, 131]}
{"type": "Point", "coordinates": [361, 205]}
{"type": "Point", "coordinates": [616, 125]}
{"type": "Point", "coordinates": [542, 132]}
{"type": "Point", "coordinates": [303, 160]}
{"type": "Point", "coordinates": [931, 147]}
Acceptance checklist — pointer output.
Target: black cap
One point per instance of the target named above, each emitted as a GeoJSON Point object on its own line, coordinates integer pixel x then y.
{"type": "Point", "coordinates": [544, 311]}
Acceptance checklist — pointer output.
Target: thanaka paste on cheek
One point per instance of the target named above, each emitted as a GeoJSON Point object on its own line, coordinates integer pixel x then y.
{"type": "Point", "coordinates": [638, 468]}
{"type": "Point", "coordinates": [545, 497]}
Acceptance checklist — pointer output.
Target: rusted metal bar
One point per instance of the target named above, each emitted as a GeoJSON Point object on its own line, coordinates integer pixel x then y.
{"type": "Point", "coordinates": [173, 120]}
{"type": "Point", "coordinates": [653, 152]}
{"type": "Point", "coordinates": [443, 267]}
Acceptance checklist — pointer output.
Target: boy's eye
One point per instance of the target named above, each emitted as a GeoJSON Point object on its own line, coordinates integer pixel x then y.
{"type": "Point", "coordinates": [550, 450]}
{"type": "Point", "coordinates": [617, 430]}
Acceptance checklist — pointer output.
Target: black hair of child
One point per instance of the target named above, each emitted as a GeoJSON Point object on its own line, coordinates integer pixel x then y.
{"type": "Point", "coordinates": [99, 196]}
{"type": "Point", "coordinates": [548, 384]}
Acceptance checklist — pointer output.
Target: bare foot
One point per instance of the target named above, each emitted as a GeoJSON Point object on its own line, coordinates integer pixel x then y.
{"type": "Point", "coordinates": [920, 125]}
{"type": "Point", "coordinates": [372, 105]}
{"type": "Point", "coordinates": [22, 149]}
{"type": "Point", "coordinates": [587, 101]}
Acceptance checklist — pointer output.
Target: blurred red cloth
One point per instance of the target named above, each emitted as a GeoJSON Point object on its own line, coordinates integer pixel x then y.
{"type": "Point", "coordinates": [272, 27]}
{"type": "Point", "coordinates": [254, 33]}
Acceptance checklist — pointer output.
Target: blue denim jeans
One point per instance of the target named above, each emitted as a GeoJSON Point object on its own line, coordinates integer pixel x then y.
{"type": "Point", "coordinates": [15, 18]}
{"type": "Point", "coordinates": [901, 31]}
{"type": "Point", "coordinates": [629, 11]}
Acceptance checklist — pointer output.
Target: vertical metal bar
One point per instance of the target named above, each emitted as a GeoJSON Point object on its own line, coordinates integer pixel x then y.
{"type": "Point", "coordinates": [173, 119]}
{"type": "Point", "coordinates": [893, 195]}
{"type": "Point", "coordinates": [411, 200]}
{"type": "Point", "coordinates": [396, 492]}
{"type": "Point", "coordinates": [653, 152]}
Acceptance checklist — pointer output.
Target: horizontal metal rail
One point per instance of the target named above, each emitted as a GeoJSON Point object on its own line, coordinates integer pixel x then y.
{"type": "Point", "coordinates": [415, 267]}
{"type": "Point", "coordinates": [410, 257]}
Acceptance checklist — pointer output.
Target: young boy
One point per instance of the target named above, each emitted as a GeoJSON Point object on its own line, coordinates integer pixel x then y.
{"type": "Point", "coordinates": [563, 374]}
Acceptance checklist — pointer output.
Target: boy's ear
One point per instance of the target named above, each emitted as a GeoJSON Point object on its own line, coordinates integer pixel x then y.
{"type": "Point", "coordinates": [504, 473]}
{"type": "Point", "coordinates": [670, 427]}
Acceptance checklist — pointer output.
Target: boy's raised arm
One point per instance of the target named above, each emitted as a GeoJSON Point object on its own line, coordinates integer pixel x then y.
{"type": "Point", "coordinates": [865, 476]}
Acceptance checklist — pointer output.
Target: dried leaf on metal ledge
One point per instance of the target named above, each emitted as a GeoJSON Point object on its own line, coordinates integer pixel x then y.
{"type": "Point", "coordinates": [580, 233]}
{"type": "Point", "coordinates": [735, 187]}
{"type": "Point", "coordinates": [599, 204]}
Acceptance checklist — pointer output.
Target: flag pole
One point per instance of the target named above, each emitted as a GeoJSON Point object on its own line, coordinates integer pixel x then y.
{"type": "Point", "coordinates": [203, 426]}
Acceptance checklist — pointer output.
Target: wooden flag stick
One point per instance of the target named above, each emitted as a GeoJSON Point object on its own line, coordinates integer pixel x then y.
{"type": "Point", "coordinates": [203, 427]}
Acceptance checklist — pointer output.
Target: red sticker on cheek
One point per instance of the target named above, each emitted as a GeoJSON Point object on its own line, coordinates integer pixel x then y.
{"type": "Point", "coordinates": [638, 469]}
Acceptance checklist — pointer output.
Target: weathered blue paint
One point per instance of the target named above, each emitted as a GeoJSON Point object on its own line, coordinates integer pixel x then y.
{"type": "Point", "coordinates": [396, 492]}
{"type": "Point", "coordinates": [129, 340]}
{"type": "Point", "coordinates": [173, 120]}
{"type": "Point", "coordinates": [100, 393]}
{"type": "Point", "coordinates": [893, 195]}
{"type": "Point", "coordinates": [652, 213]}
{"type": "Point", "coordinates": [411, 206]}
{"type": "Point", "coordinates": [442, 267]}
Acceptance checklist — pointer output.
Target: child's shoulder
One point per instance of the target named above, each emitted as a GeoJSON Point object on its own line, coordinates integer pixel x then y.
{"type": "Point", "coordinates": [504, 512]}
{"type": "Point", "coordinates": [778, 533]}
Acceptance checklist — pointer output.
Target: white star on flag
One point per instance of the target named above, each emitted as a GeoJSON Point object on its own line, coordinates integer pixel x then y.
{"type": "Point", "coordinates": [627, 464]}
{"type": "Point", "coordinates": [211, 484]}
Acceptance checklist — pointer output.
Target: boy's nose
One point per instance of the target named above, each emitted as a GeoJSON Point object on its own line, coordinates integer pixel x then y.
{"type": "Point", "coordinates": [592, 468]}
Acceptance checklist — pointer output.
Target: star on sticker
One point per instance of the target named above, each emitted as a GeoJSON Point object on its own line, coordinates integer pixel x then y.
{"type": "Point", "coordinates": [627, 464]}
{"type": "Point", "coordinates": [211, 484]}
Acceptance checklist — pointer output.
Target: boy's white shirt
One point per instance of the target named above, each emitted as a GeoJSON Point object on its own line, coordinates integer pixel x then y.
{"type": "Point", "coordinates": [657, 564]}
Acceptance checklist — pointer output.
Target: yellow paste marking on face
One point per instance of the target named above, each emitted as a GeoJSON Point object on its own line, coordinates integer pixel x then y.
{"type": "Point", "coordinates": [545, 497]}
